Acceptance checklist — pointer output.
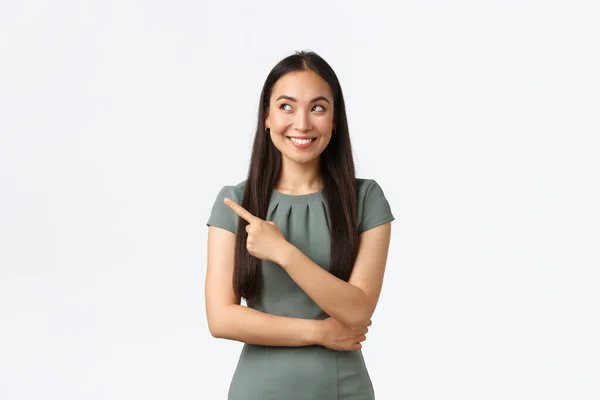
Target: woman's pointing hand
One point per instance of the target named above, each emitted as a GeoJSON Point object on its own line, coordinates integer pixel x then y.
{"type": "Point", "coordinates": [265, 240]}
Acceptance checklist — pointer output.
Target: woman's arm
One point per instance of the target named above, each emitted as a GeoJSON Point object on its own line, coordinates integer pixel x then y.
{"type": "Point", "coordinates": [248, 325]}
{"type": "Point", "coordinates": [352, 302]}
{"type": "Point", "coordinates": [245, 324]}
{"type": "Point", "coordinates": [228, 319]}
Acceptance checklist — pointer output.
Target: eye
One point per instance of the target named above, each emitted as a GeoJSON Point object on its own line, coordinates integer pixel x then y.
{"type": "Point", "coordinates": [285, 104]}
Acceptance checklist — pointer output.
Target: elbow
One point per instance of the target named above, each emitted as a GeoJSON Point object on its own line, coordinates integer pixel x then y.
{"type": "Point", "coordinates": [219, 322]}
{"type": "Point", "coordinates": [359, 324]}
{"type": "Point", "coordinates": [219, 319]}
{"type": "Point", "coordinates": [216, 327]}
{"type": "Point", "coordinates": [360, 319]}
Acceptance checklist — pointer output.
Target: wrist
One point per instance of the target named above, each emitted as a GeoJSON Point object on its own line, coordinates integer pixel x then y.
{"type": "Point", "coordinates": [316, 332]}
{"type": "Point", "coordinates": [285, 254]}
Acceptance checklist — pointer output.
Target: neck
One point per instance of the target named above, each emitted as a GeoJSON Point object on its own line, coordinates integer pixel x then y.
{"type": "Point", "coordinates": [299, 178]}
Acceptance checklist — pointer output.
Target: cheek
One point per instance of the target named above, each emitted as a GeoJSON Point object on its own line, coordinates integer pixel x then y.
{"type": "Point", "coordinates": [278, 119]}
{"type": "Point", "coordinates": [324, 122]}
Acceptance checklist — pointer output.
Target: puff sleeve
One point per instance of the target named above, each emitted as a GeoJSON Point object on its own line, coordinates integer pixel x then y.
{"type": "Point", "coordinates": [374, 208]}
{"type": "Point", "coordinates": [221, 215]}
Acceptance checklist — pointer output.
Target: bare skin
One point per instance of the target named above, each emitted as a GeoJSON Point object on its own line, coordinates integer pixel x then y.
{"type": "Point", "coordinates": [301, 117]}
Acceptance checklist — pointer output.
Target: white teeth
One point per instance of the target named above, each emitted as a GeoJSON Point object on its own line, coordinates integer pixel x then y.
{"type": "Point", "coordinates": [301, 141]}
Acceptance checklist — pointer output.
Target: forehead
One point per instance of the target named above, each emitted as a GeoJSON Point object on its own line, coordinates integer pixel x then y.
{"type": "Point", "coordinates": [303, 85]}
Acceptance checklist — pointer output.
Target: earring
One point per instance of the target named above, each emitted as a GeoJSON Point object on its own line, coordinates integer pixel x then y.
{"type": "Point", "coordinates": [267, 130]}
{"type": "Point", "coordinates": [333, 133]}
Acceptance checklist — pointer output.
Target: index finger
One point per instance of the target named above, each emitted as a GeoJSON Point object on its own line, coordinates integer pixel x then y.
{"type": "Point", "coordinates": [239, 210]}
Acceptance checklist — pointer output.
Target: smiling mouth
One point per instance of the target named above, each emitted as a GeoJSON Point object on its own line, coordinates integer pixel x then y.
{"type": "Point", "coordinates": [301, 144]}
{"type": "Point", "coordinates": [301, 140]}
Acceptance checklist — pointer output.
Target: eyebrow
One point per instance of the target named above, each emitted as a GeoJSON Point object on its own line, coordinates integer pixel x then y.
{"type": "Point", "coordinates": [283, 96]}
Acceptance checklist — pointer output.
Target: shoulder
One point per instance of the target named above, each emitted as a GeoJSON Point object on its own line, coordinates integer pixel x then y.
{"type": "Point", "coordinates": [373, 206]}
{"type": "Point", "coordinates": [367, 188]}
{"type": "Point", "coordinates": [235, 191]}
{"type": "Point", "coordinates": [221, 215]}
{"type": "Point", "coordinates": [362, 185]}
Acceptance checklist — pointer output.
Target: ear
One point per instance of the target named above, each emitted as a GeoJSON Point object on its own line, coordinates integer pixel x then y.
{"type": "Point", "coordinates": [267, 121]}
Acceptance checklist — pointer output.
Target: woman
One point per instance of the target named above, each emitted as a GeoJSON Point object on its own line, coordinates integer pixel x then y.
{"type": "Point", "coordinates": [303, 241]}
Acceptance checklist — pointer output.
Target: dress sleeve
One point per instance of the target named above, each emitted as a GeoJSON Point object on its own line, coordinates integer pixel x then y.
{"type": "Point", "coordinates": [375, 208]}
{"type": "Point", "coordinates": [221, 215]}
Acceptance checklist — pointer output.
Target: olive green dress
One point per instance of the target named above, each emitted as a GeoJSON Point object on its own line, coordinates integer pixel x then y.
{"type": "Point", "coordinates": [306, 372]}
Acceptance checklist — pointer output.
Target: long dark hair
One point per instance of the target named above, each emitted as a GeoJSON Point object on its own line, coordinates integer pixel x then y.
{"type": "Point", "coordinates": [337, 173]}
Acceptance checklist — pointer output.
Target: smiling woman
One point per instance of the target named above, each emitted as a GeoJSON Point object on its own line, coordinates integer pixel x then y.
{"type": "Point", "coordinates": [303, 124]}
{"type": "Point", "coordinates": [304, 241]}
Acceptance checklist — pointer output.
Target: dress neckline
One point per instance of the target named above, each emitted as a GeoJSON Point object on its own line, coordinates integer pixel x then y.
{"type": "Point", "coordinates": [298, 198]}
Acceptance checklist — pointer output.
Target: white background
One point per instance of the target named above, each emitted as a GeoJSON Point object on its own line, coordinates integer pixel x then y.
{"type": "Point", "coordinates": [121, 120]}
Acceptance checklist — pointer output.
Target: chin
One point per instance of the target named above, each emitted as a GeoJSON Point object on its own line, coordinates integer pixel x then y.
{"type": "Point", "coordinates": [306, 158]}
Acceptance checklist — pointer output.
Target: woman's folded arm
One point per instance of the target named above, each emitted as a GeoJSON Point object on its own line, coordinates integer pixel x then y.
{"type": "Point", "coordinates": [247, 325]}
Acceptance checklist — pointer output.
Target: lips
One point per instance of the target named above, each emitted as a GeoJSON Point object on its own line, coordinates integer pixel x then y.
{"type": "Point", "coordinates": [298, 145]}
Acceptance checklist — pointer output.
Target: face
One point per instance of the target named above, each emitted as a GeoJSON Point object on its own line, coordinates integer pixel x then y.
{"type": "Point", "coordinates": [301, 106]}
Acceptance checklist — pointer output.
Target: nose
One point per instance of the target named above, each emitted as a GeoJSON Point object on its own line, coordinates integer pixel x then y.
{"type": "Point", "coordinates": [302, 122]}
